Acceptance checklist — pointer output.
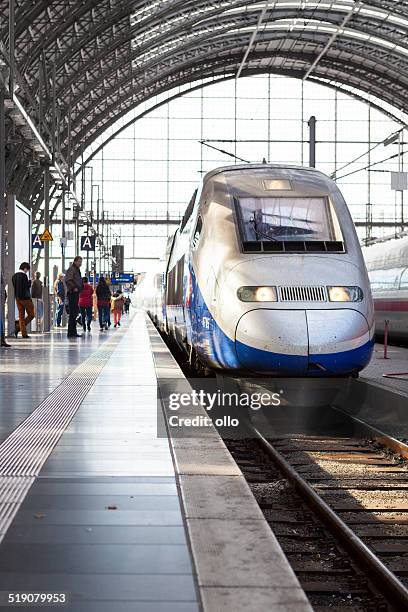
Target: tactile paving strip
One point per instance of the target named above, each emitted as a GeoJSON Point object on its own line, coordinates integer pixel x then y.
{"type": "Point", "coordinates": [26, 449]}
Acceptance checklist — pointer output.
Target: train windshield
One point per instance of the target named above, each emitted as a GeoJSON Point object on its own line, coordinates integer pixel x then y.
{"type": "Point", "coordinates": [286, 219]}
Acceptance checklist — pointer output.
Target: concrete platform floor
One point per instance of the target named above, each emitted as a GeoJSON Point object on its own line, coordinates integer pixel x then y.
{"type": "Point", "coordinates": [32, 368]}
{"type": "Point", "coordinates": [112, 514]}
{"type": "Point", "coordinates": [397, 362]}
{"type": "Point", "coordinates": [102, 520]}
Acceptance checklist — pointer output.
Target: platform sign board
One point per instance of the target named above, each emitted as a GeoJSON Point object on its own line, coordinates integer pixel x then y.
{"type": "Point", "coordinates": [92, 275]}
{"type": "Point", "coordinates": [36, 242]}
{"type": "Point", "coordinates": [88, 243]}
{"type": "Point", "coordinates": [118, 254]}
{"type": "Point", "coordinates": [122, 278]}
{"type": "Point", "coordinates": [114, 279]}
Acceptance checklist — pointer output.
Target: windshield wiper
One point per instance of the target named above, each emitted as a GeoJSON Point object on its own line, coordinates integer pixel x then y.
{"type": "Point", "coordinates": [262, 236]}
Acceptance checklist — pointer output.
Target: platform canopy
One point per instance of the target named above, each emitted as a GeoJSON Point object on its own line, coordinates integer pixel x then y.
{"type": "Point", "coordinates": [103, 58]}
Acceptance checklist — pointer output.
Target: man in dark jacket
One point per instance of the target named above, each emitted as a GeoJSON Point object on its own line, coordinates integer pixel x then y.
{"type": "Point", "coordinates": [59, 292]}
{"type": "Point", "coordinates": [73, 283]}
{"type": "Point", "coordinates": [24, 302]}
{"type": "Point", "coordinates": [37, 287]}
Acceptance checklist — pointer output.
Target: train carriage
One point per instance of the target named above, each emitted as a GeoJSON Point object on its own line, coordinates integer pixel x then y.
{"type": "Point", "coordinates": [265, 275]}
{"type": "Point", "coordinates": [387, 265]}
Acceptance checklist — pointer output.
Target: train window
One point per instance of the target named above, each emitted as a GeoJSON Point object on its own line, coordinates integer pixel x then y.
{"type": "Point", "coordinates": [385, 280]}
{"type": "Point", "coordinates": [197, 232]}
{"type": "Point", "coordinates": [158, 279]}
{"type": "Point", "coordinates": [189, 211]}
{"type": "Point", "coordinates": [404, 279]}
{"type": "Point", "coordinates": [175, 284]}
{"type": "Point", "coordinates": [286, 219]}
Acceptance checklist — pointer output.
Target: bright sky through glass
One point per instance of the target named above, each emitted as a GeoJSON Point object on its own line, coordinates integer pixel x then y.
{"type": "Point", "coordinates": [151, 169]}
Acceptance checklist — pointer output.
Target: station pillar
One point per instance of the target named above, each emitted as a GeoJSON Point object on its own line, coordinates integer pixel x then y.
{"type": "Point", "coordinates": [2, 204]}
{"type": "Point", "coordinates": [47, 297]}
{"type": "Point", "coordinates": [9, 262]}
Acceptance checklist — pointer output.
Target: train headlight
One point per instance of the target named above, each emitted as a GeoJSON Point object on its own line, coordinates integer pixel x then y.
{"type": "Point", "coordinates": [257, 294]}
{"type": "Point", "coordinates": [345, 294]}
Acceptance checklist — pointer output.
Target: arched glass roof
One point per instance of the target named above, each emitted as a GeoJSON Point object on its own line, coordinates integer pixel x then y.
{"type": "Point", "coordinates": [109, 57]}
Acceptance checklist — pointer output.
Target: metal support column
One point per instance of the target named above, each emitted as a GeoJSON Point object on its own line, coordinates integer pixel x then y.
{"type": "Point", "coordinates": [312, 141]}
{"type": "Point", "coordinates": [269, 119]}
{"type": "Point", "coordinates": [168, 164]}
{"type": "Point", "coordinates": [401, 169]}
{"type": "Point", "coordinates": [2, 205]}
{"type": "Point", "coordinates": [12, 24]}
{"type": "Point", "coordinates": [369, 213]}
{"type": "Point", "coordinates": [89, 224]}
{"type": "Point", "coordinates": [47, 318]}
{"type": "Point", "coordinates": [302, 121]}
{"type": "Point", "coordinates": [98, 225]}
{"type": "Point", "coordinates": [10, 259]}
{"type": "Point", "coordinates": [336, 103]}
{"type": "Point", "coordinates": [77, 227]}
{"type": "Point", "coordinates": [102, 201]}
{"type": "Point", "coordinates": [54, 114]}
{"type": "Point", "coordinates": [63, 236]}
{"type": "Point", "coordinates": [235, 120]}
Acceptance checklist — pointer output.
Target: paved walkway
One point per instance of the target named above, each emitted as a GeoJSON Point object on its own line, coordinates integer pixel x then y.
{"type": "Point", "coordinates": [102, 521]}
{"type": "Point", "coordinates": [397, 362]}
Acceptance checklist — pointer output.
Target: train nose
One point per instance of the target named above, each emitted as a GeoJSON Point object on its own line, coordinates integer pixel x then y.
{"type": "Point", "coordinates": [303, 342]}
{"type": "Point", "coordinates": [339, 340]}
{"type": "Point", "coordinates": [273, 340]}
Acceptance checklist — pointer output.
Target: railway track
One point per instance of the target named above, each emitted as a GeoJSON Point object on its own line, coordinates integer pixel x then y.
{"type": "Point", "coordinates": [339, 507]}
{"type": "Point", "coordinates": [338, 504]}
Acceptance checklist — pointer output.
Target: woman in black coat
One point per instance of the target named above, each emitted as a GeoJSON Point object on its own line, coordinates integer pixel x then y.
{"type": "Point", "coordinates": [103, 295]}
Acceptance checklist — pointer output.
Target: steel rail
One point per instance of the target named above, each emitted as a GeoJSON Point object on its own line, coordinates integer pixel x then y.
{"type": "Point", "coordinates": [398, 447]}
{"type": "Point", "coordinates": [386, 582]}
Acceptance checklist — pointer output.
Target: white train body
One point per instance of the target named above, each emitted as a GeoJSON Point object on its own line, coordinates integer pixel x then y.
{"type": "Point", "coordinates": [387, 265]}
{"type": "Point", "coordinates": [265, 275]}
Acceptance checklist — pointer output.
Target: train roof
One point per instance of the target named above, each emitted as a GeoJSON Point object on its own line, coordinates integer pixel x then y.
{"type": "Point", "coordinates": [387, 255]}
{"type": "Point", "coordinates": [224, 169]}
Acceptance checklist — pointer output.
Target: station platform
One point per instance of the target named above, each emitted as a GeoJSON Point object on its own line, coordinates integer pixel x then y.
{"type": "Point", "coordinates": [95, 505]}
{"type": "Point", "coordinates": [396, 362]}
{"type": "Point", "coordinates": [381, 401]}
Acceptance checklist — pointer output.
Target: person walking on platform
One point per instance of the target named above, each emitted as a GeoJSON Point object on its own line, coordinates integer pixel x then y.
{"type": "Point", "coordinates": [37, 287]}
{"type": "Point", "coordinates": [37, 297]}
{"type": "Point", "coordinates": [85, 304]}
{"type": "Point", "coordinates": [104, 301]}
{"type": "Point", "coordinates": [127, 304]}
{"type": "Point", "coordinates": [73, 282]}
{"type": "Point", "coordinates": [4, 342]}
{"type": "Point", "coordinates": [117, 307]}
{"type": "Point", "coordinates": [59, 292]}
{"type": "Point", "coordinates": [23, 299]}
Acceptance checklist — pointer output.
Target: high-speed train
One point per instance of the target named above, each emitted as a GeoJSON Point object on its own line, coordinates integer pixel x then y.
{"type": "Point", "coordinates": [387, 265]}
{"type": "Point", "coordinates": [265, 276]}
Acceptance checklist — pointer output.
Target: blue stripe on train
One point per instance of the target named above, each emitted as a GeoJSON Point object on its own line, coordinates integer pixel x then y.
{"type": "Point", "coordinates": [215, 347]}
{"type": "Point", "coordinates": [345, 362]}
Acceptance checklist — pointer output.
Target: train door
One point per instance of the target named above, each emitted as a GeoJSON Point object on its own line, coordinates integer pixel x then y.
{"type": "Point", "coordinates": [169, 251]}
